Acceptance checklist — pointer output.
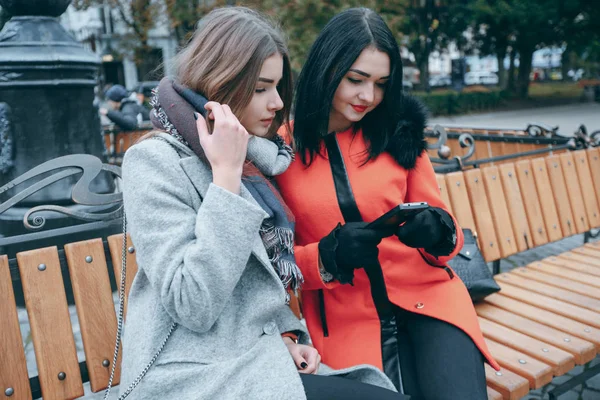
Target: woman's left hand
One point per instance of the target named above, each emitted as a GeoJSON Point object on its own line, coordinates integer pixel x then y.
{"type": "Point", "coordinates": [307, 358]}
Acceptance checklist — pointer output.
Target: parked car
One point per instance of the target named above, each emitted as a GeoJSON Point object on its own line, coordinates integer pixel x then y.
{"type": "Point", "coordinates": [472, 78]}
{"type": "Point", "coordinates": [488, 78]}
{"type": "Point", "coordinates": [440, 81]}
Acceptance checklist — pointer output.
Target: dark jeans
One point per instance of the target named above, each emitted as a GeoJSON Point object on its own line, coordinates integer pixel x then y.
{"type": "Point", "coordinates": [319, 387]}
{"type": "Point", "coordinates": [438, 361]}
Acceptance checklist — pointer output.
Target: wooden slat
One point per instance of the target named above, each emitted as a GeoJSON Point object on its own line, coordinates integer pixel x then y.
{"type": "Point", "coordinates": [590, 265]}
{"type": "Point", "coordinates": [13, 367]}
{"type": "Point", "coordinates": [95, 309]}
{"type": "Point", "coordinates": [493, 395]}
{"type": "Point", "coordinates": [115, 245]}
{"type": "Point", "coordinates": [459, 199]}
{"type": "Point", "coordinates": [510, 385]}
{"type": "Point", "coordinates": [50, 323]}
{"type": "Point", "coordinates": [572, 263]}
{"type": "Point", "coordinates": [593, 155]}
{"type": "Point", "coordinates": [483, 218]}
{"type": "Point", "coordinates": [561, 268]}
{"type": "Point", "coordinates": [560, 360]}
{"type": "Point", "coordinates": [544, 191]}
{"type": "Point", "coordinates": [587, 251]}
{"type": "Point", "coordinates": [559, 282]}
{"type": "Point", "coordinates": [518, 219]}
{"type": "Point", "coordinates": [577, 313]}
{"type": "Point", "coordinates": [531, 203]}
{"type": "Point", "coordinates": [593, 245]}
{"type": "Point", "coordinates": [560, 195]}
{"type": "Point", "coordinates": [536, 372]}
{"type": "Point", "coordinates": [574, 192]}
{"type": "Point", "coordinates": [587, 187]}
{"type": "Point", "coordinates": [564, 324]}
{"type": "Point", "coordinates": [583, 351]}
{"type": "Point", "coordinates": [552, 291]}
{"type": "Point", "coordinates": [499, 211]}
{"type": "Point", "coordinates": [441, 181]}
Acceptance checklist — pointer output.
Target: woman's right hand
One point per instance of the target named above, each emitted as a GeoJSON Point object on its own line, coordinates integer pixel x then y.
{"type": "Point", "coordinates": [226, 147]}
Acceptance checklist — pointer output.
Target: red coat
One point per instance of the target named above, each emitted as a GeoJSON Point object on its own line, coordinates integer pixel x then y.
{"type": "Point", "coordinates": [412, 283]}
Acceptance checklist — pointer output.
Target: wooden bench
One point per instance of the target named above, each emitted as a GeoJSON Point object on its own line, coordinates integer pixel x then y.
{"type": "Point", "coordinates": [543, 322]}
{"type": "Point", "coordinates": [546, 318]}
{"type": "Point", "coordinates": [116, 141]}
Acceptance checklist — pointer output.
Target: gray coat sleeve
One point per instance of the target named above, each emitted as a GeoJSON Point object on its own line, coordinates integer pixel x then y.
{"type": "Point", "coordinates": [287, 322]}
{"type": "Point", "coordinates": [193, 260]}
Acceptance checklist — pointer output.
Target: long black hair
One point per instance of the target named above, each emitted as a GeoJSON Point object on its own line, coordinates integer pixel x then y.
{"type": "Point", "coordinates": [337, 47]}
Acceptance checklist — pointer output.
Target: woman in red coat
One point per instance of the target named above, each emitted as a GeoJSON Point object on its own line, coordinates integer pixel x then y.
{"type": "Point", "coordinates": [384, 298]}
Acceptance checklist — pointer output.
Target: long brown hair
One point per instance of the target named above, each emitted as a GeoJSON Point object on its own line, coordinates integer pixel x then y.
{"type": "Point", "coordinates": [224, 58]}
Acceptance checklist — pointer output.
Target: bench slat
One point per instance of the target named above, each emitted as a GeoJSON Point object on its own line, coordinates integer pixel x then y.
{"type": "Point", "coordinates": [582, 350]}
{"type": "Point", "coordinates": [551, 291]}
{"type": "Point", "coordinates": [536, 372]}
{"type": "Point", "coordinates": [560, 195]}
{"type": "Point", "coordinates": [515, 206]}
{"type": "Point", "coordinates": [585, 316]}
{"type": "Point", "coordinates": [493, 395]}
{"type": "Point", "coordinates": [510, 385]}
{"type": "Point", "coordinates": [564, 324]}
{"type": "Point", "coordinates": [593, 155]}
{"type": "Point", "coordinates": [441, 181]}
{"type": "Point", "coordinates": [560, 270]}
{"type": "Point", "coordinates": [592, 246]}
{"type": "Point", "coordinates": [483, 218]}
{"type": "Point", "coordinates": [544, 190]}
{"type": "Point", "coordinates": [560, 282]}
{"type": "Point", "coordinates": [574, 192]}
{"type": "Point", "coordinates": [573, 265]}
{"type": "Point", "coordinates": [531, 202]}
{"type": "Point", "coordinates": [115, 245]}
{"type": "Point", "coordinates": [13, 368]}
{"type": "Point", "coordinates": [591, 263]}
{"type": "Point", "coordinates": [499, 211]}
{"type": "Point", "coordinates": [588, 251]}
{"type": "Point", "coordinates": [95, 309]}
{"type": "Point", "coordinates": [50, 323]}
{"type": "Point", "coordinates": [459, 199]}
{"type": "Point", "coordinates": [587, 187]}
{"type": "Point", "coordinates": [560, 360]}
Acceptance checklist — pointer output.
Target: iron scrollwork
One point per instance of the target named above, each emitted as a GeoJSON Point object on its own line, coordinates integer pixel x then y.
{"type": "Point", "coordinates": [465, 140]}
{"type": "Point", "coordinates": [103, 207]}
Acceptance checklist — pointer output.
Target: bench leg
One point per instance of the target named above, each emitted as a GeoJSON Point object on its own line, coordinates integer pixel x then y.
{"type": "Point", "coordinates": [576, 381]}
{"type": "Point", "coordinates": [496, 267]}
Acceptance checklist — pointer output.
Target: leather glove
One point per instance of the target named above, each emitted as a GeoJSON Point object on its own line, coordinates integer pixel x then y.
{"type": "Point", "coordinates": [348, 247]}
{"type": "Point", "coordinates": [432, 230]}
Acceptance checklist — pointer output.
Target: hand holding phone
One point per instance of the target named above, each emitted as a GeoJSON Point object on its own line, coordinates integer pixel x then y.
{"type": "Point", "coordinates": [398, 215]}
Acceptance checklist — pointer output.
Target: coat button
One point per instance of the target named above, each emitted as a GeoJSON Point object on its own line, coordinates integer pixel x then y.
{"type": "Point", "coordinates": [287, 299]}
{"type": "Point", "coordinates": [419, 305]}
{"type": "Point", "coordinates": [270, 328]}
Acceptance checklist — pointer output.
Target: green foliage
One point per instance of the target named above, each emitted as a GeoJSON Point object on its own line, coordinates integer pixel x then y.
{"type": "Point", "coordinates": [450, 103]}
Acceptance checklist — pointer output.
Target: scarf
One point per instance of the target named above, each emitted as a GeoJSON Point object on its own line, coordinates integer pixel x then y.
{"type": "Point", "coordinates": [172, 112]}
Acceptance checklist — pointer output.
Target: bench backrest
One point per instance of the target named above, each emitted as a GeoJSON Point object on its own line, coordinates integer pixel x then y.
{"type": "Point", "coordinates": [59, 372]}
{"type": "Point", "coordinates": [527, 203]}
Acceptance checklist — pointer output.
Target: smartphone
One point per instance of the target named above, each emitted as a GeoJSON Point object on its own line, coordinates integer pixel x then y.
{"type": "Point", "coordinates": [398, 215]}
{"type": "Point", "coordinates": [197, 100]}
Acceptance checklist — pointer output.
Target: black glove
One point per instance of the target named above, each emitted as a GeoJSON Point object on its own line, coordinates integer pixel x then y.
{"type": "Point", "coordinates": [347, 247]}
{"type": "Point", "coordinates": [432, 230]}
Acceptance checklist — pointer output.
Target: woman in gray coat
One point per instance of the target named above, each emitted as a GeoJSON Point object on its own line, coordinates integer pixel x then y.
{"type": "Point", "coordinates": [208, 314]}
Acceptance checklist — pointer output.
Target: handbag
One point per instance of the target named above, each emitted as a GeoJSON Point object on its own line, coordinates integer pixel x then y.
{"type": "Point", "coordinates": [472, 269]}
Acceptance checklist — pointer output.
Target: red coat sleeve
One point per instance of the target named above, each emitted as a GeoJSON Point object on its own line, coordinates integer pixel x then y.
{"type": "Point", "coordinates": [307, 259]}
{"type": "Point", "coordinates": [422, 186]}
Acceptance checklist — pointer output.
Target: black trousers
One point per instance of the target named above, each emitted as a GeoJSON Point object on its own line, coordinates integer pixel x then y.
{"type": "Point", "coordinates": [438, 361]}
{"type": "Point", "coordinates": [319, 387]}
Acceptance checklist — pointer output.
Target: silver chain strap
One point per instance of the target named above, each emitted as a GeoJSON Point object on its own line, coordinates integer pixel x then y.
{"type": "Point", "coordinates": [137, 380]}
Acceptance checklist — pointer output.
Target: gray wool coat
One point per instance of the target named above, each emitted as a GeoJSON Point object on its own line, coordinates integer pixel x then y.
{"type": "Point", "coordinates": [202, 264]}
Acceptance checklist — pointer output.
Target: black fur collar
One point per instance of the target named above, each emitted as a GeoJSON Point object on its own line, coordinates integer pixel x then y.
{"type": "Point", "coordinates": [408, 141]}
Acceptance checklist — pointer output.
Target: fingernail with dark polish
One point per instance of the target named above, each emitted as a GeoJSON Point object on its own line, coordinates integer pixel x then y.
{"type": "Point", "coordinates": [303, 365]}
{"type": "Point", "coordinates": [196, 116]}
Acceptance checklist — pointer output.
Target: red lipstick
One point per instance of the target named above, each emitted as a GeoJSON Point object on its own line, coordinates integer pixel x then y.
{"type": "Point", "coordinates": [359, 109]}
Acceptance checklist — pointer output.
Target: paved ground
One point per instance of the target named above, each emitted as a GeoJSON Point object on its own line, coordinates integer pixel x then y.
{"type": "Point", "coordinates": [567, 117]}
